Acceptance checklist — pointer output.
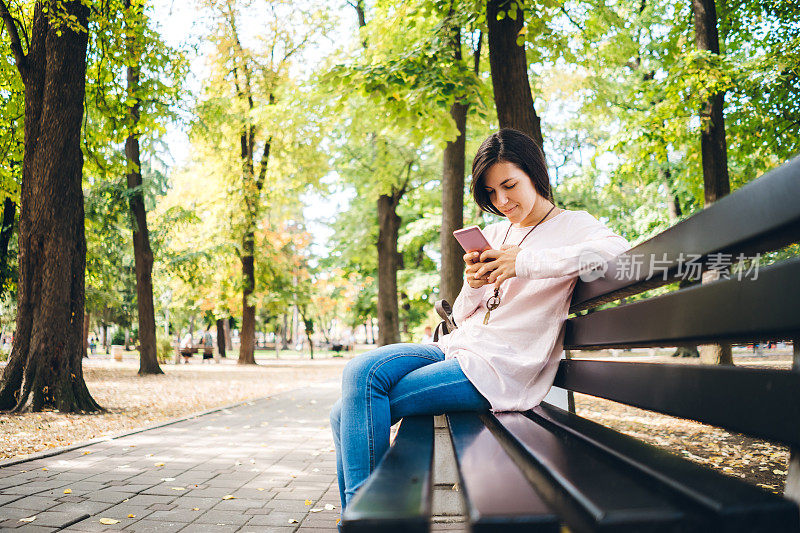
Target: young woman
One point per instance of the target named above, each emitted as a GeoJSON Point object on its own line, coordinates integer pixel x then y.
{"type": "Point", "coordinates": [510, 312]}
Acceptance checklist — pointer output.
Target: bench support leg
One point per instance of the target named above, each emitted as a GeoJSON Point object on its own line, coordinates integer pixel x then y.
{"type": "Point", "coordinates": [792, 490]}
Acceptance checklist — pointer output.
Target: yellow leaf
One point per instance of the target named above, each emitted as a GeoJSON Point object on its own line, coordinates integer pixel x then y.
{"type": "Point", "coordinates": [293, 521]}
{"type": "Point", "coordinates": [260, 488]}
{"type": "Point", "coordinates": [229, 497]}
{"type": "Point", "coordinates": [131, 516]}
{"type": "Point", "coordinates": [29, 519]}
{"type": "Point", "coordinates": [87, 452]}
{"type": "Point", "coordinates": [159, 464]}
{"type": "Point", "coordinates": [195, 508]}
{"type": "Point", "coordinates": [309, 502]}
{"type": "Point", "coordinates": [108, 521]}
{"type": "Point", "coordinates": [45, 469]}
{"type": "Point", "coordinates": [67, 491]}
{"type": "Point", "coordinates": [178, 488]}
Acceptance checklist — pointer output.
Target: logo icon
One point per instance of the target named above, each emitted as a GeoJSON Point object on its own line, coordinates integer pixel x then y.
{"type": "Point", "coordinates": [591, 266]}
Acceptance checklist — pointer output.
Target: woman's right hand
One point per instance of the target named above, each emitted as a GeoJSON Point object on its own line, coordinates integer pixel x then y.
{"type": "Point", "coordinates": [472, 259]}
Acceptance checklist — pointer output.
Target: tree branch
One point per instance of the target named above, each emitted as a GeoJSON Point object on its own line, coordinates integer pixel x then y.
{"type": "Point", "coordinates": [16, 44]}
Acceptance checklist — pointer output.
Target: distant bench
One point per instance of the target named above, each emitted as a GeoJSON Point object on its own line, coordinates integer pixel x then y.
{"type": "Point", "coordinates": [539, 470]}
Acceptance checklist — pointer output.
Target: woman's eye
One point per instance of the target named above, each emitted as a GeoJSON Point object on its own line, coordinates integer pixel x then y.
{"type": "Point", "coordinates": [511, 186]}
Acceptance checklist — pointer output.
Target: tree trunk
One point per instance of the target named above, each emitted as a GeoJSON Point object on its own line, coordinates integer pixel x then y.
{"type": "Point", "coordinates": [86, 321]}
{"type": "Point", "coordinates": [247, 333]}
{"type": "Point", "coordinates": [6, 231]}
{"type": "Point", "coordinates": [452, 273]}
{"type": "Point", "coordinates": [45, 366]}
{"type": "Point", "coordinates": [221, 336]}
{"type": "Point", "coordinates": [228, 342]}
{"type": "Point", "coordinates": [388, 263]}
{"type": "Point", "coordinates": [712, 137]}
{"type": "Point", "coordinates": [509, 66]}
{"type": "Point", "coordinates": [142, 253]}
{"type": "Point", "coordinates": [287, 332]}
{"type": "Point", "coordinates": [712, 146]}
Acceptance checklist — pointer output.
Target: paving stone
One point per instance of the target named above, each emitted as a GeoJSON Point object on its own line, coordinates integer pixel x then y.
{"type": "Point", "coordinates": [59, 519]}
{"type": "Point", "coordinates": [275, 519]}
{"type": "Point", "coordinates": [34, 503]}
{"type": "Point", "coordinates": [210, 528]}
{"type": "Point", "coordinates": [216, 516]}
{"type": "Point", "coordinates": [163, 506]}
{"type": "Point", "coordinates": [155, 526]}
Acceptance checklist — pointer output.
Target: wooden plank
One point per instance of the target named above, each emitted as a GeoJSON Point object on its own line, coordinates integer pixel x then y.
{"type": "Point", "coordinates": [759, 217]}
{"type": "Point", "coordinates": [397, 496]}
{"type": "Point", "coordinates": [726, 503]}
{"type": "Point", "coordinates": [587, 491]}
{"type": "Point", "coordinates": [498, 496]}
{"type": "Point", "coordinates": [730, 310]}
{"type": "Point", "coordinates": [759, 402]}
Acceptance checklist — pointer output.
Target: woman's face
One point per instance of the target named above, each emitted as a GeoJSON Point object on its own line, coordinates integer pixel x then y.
{"type": "Point", "coordinates": [511, 192]}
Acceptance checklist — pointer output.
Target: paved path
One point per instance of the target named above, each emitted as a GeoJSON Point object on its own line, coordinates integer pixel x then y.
{"type": "Point", "coordinates": [263, 466]}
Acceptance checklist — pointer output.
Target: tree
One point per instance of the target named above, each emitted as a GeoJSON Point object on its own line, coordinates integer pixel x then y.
{"type": "Point", "coordinates": [142, 253]}
{"type": "Point", "coordinates": [509, 66]}
{"type": "Point", "coordinates": [713, 147]}
{"type": "Point", "coordinates": [45, 366]}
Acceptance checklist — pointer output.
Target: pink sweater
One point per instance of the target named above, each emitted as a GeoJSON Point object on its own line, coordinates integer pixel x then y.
{"type": "Point", "coordinates": [513, 359]}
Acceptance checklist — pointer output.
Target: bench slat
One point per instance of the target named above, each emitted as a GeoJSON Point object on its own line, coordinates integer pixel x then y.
{"type": "Point", "coordinates": [735, 310]}
{"type": "Point", "coordinates": [733, 505]}
{"type": "Point", "coordinates": [759, 217]}
{"type": "Point", "coordinates": [759, 402]}
{"type": "Point", "coordinates": [588, 492]}
{"type": "Point", "coordinates": [397, 496]}
{"type": "Point", "coordinates": [498, 496]}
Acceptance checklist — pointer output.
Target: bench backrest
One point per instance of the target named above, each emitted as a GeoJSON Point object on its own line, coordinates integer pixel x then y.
{"type": "Point", "coordinates": [760, 217]}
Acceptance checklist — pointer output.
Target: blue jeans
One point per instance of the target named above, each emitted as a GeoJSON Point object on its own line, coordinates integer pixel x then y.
{"type": "Point", "coordinates": [381, 387]}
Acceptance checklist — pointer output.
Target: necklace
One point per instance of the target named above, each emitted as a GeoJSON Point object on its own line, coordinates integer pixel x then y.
{"type": "Point", "coordinates": [494, 301]}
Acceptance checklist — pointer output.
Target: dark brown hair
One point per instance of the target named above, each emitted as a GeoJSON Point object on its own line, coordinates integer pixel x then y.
{"type": "Point", "coordinates": [509, 146]}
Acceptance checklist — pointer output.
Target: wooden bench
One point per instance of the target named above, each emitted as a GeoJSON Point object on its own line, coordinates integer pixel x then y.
{"type": "Point", "coordinates": [539, 470]}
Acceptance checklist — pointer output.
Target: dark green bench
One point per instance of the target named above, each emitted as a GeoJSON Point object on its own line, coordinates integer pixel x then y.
{"type": "Point", "coordinates": [539, 470]}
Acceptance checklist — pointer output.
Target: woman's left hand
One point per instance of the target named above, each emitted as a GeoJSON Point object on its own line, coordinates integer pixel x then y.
{"type": "Point", "coordinates": [500, 264]}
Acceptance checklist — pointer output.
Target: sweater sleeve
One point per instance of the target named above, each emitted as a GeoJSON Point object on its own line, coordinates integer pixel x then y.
{"type": "Point", "coordinates": [467, 302]}
{"type": "Point", "coordinates": [594, 241]}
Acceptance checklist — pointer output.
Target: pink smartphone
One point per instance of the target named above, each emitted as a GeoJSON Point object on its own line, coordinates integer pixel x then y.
{"type": "Point", "coordinates": [472, 239]}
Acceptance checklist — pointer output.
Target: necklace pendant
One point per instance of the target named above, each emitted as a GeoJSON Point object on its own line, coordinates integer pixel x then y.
{"type": "Point", "coordinates": [486, 317]}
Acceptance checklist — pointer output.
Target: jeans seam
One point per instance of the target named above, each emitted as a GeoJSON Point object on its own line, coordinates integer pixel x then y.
{"type": "Point", "coordinates": [367, 390]}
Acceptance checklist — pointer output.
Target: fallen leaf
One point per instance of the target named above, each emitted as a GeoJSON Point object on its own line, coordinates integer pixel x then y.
{"type": "Point", "coordinates": [329, 507]}
{"type": "Point", "coordinates": [293, 521]}
{"type": "Point", "coordinates": [29, 519]}
{"type": "Point", "coordinates": [67, 491]}
{"type": "Point", "coordinates": [167, 479]}
{"type": "Point", "coordinates": [131, 516]}
{"type": "Point", "coordinates": [178, 488]}
{"type": "Point", "coordinates": [260, 488]}
{"type": "Point", "coordinates": [87, 452]}
{"type": "Point", "coordinates": [45, 469]}
{"type": "Point", "coordinates": [195, 508]}
{"type": "Point", "coordinates": [159, 464]}
{"type": "Point", "coordinates": [108, 521]}
{"type": "Point", "coordinates": [229, 497]}
{"type": "Point", "coordinates": [315, 510]}
{"type": "Point", "coordinates": [309, 502]}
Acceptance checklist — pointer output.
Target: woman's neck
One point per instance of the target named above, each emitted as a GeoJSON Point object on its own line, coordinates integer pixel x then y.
{"type": "Point", "coordinates": [542, 211]}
